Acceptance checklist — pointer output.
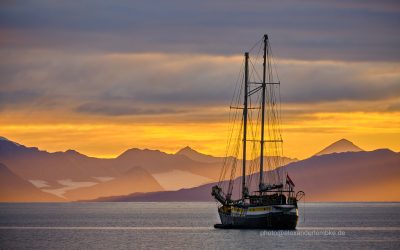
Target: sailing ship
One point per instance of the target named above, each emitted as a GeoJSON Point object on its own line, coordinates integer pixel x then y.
{"type": "Point", "coordinates": [255, 135]}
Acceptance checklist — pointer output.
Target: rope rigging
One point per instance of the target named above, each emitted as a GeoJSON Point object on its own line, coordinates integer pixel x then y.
{"type": "Point", "coordinates": [273, 150]}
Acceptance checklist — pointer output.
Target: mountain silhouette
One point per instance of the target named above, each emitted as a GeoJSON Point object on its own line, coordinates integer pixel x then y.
{"type": "Point", "coordinates": [56, 169]}
{"type": "Point", "coordinates": [30, 163]}
{"type": "Point", "coordinates": [330, 175]}
{"type": "Point", "coordinates": [197, 156]}
{"type": "Point", "coordinates": [349, 176]}
{"type": "Point", "coordinates": [15, 189]}
{"type": "Point", "coordinates": [340, 146]}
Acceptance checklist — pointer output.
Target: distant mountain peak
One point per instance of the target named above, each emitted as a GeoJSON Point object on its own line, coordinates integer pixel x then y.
{"type": "Point", "coordinates": [197, 156]}
{"type": "Point", "coordinates": [340, 146]}
{"type": "Point", "coordinates": [73, 153]}
{"type": "Point", "coordinates": [135, 151]}
{"type": "Point", "coordinates": [186, 150]}
{"type": "Point", "coordinates": [344, 140]}
{"type": "Point", "coordinates": [191, 153]}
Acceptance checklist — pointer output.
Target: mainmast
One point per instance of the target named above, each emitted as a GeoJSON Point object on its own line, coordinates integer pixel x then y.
{"type": "Point", "coordinates": [263, 115]}
{"type": "Point", "coordinates": [246, 81]}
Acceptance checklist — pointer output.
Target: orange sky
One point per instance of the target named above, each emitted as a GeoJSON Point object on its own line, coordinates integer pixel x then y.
{"type": "Point", "coordinates": [110, 137]}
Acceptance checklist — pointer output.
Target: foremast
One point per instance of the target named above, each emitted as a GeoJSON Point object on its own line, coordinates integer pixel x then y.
{"type": "Point", "coordinates": [245, 109]}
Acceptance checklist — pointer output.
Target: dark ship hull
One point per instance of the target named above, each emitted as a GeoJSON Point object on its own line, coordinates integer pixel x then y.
{"type": "Point", "coordinates": [260, 217]}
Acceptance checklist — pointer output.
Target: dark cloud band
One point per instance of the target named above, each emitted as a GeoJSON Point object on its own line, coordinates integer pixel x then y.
{"type": "Point", "coordinates": [338, 30]}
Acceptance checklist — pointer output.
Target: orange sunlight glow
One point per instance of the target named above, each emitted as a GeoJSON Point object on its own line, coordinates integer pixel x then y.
{"type": "Point", "coordinates": [303, 136]}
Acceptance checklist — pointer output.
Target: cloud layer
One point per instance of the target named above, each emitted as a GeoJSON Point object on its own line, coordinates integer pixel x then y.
{"type": "Point", "coordinates": [318, 30]}
{"type": "Point", "coordinates": [154, 84]}
{"type": "Point", "coordinates": [175, 57]}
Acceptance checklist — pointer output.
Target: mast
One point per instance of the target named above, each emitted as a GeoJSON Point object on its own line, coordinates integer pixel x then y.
{"type": "Point", "coordinates": [246, 81]}
{"type": "Point", "coordinates": [263, 114]}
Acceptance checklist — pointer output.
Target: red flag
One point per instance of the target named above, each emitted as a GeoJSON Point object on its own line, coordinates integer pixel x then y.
{"type": "Point", "coordinates": [289, 181]}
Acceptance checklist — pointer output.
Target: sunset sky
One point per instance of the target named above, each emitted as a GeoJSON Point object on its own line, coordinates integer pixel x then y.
{"type": "Point", "coordinates": [103, 76]}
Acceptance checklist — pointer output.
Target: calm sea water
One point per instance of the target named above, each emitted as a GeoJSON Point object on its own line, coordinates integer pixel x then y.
{"type": "Point", "coordinates": [190, 225]}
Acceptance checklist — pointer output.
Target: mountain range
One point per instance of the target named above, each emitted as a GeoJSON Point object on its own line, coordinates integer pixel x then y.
{"type": "Point", "coordinates": [338, 177]}
{"type": "Point", "coordinates": [71, 175]}
{"type": "Point", "coordinates": [153, 175]}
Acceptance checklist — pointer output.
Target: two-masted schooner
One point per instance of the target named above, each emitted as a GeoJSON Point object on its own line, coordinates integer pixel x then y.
{"type": "Point", "coordinates": [265, 197]}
